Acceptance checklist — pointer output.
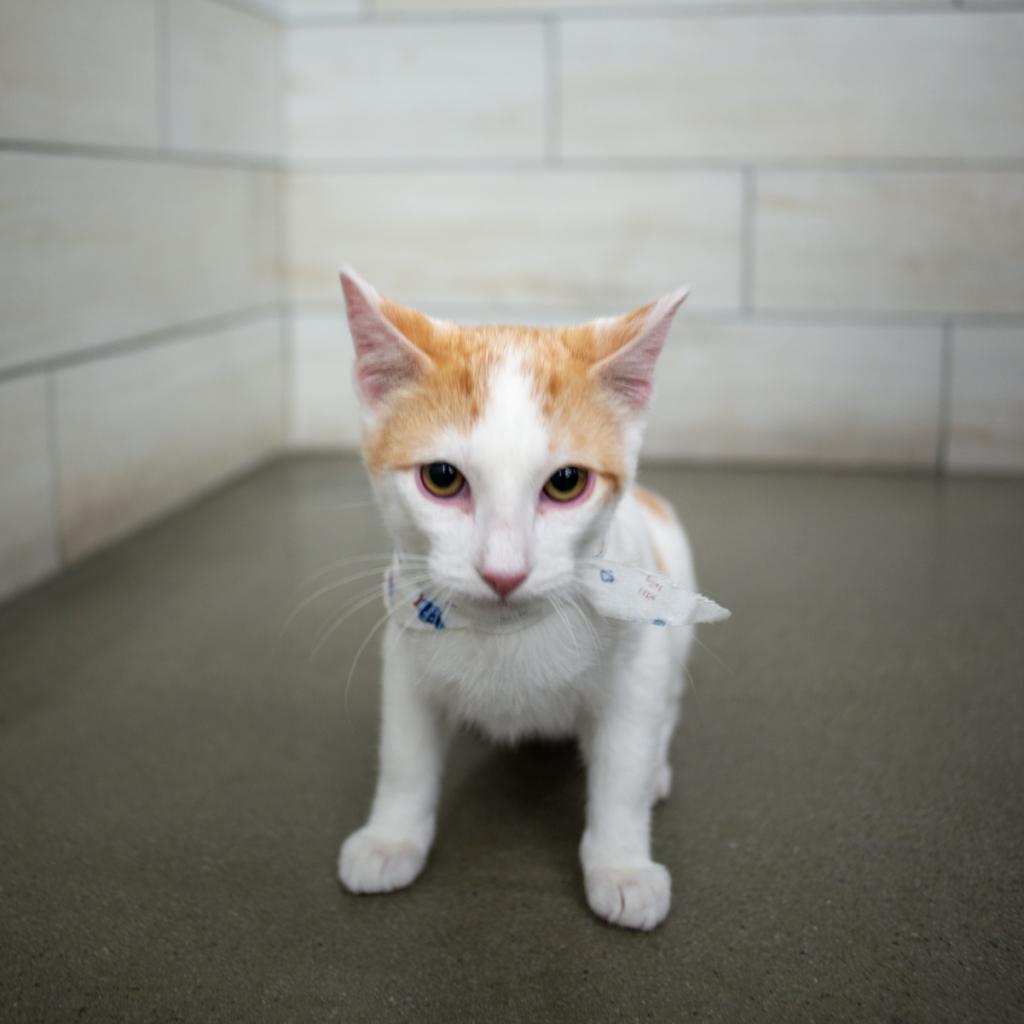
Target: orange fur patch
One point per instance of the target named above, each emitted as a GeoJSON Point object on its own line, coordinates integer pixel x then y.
{"type": "Point", "coordinates": [654, 503]}
{"type": "Point", "coordinates": [658, 507]}
{"type": "Point", "coordinates": [454, 392]}
{"type": "Point", "coordinates": [659, 560]}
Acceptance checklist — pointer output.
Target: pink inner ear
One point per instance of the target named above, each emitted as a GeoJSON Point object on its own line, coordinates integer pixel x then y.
{"type": "Point", "coordinates": [385, 360]}
{"type": "Point", "coordinates": [629, 372]}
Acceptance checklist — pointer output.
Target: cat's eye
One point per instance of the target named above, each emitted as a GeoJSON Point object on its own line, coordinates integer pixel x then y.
{"type": "Point", "coordinates": [566, 483]}
{"type": "Point", "coordinates": [442, 479]}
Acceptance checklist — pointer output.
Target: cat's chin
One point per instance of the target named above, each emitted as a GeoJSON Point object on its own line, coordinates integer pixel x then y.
{"type": "Point", "coordinates": [501, 604]}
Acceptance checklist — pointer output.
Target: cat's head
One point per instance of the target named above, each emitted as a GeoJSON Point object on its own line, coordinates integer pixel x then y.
{"type": "Point", "coordinates": [500, 453]}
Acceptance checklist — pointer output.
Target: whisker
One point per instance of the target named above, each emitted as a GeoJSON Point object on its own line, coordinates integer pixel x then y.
{"type": "Point", "coordinates": [362, 647]}
{"type": "Point", "coordinates": [696, 699]}
{"type": "Point", "coordinates": [364, 574]}
{"type": "Point", "coordinates": [407, 587]}
{"type": "Point", "coordinates": [376, 595]}
{"type": "Point", "coordinates": [700, 643]}
{"type": "Point", "coordinates": [384, 557]}
{"type": "Point", "coordinates": [566, 623]}
{"type": "Point", "coordinates": [575, 605]}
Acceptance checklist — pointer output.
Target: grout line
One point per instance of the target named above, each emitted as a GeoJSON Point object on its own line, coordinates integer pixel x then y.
{"type": "Point", "coordinates": [56, 481]}
{"type": "Point", "coordinates": [288, 364]}
{"type": "Point", "coordinates": [739, 9]}
{"type": "Point", "coordinates": [644, 165]}
{"type": "Point", "coordinates": [945, 399]}
{"type": "Point", "coordinates": [698, 314]}
{"type": "Point", "coordinates": [282, 98]}
{"type": "Point", "coordinates": [284, 249]}
{"type": "Point", "coordinates": [748, 205]}
{"type": "Point", "coordinates": [163, 75]}
{"type": "Point", "coordinates": [474, 165]}
{"type": "Point", "coordinates": [552, 91]}
{"type": "Point", "coordinates": [140, 342]}
{"type": "Point", "coordinates": [145, 154]}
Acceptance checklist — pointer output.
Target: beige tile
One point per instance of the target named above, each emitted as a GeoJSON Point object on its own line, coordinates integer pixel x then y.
{"type": "Point", "coordinates": [96, 250]}
{"type": "Point", "coordinates": [140, 434]}
{"type": "Point", "coordinates": [79, 71]}
{"type": "Point", "coordinates": [390, 90]}
{"type": "Point", "coordinates": [560, 238]}
{"type": "Point", "coordinates": [323, 409]}
{"type": "Point", "coordinates": [28, 545]}
{"type": "Point", "coordinates": [797, 393]}
{"type": "Point", "coordinates": [986, 428]}
{"type": "Point", "coordinates": [894, 242]}
{"type": "Point", "coordinates": [852, 86]}
{"type": "Point", "coordinates": [224, 70]}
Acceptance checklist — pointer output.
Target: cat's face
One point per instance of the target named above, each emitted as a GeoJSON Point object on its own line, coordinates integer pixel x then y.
{"type": "Point", "coordinates": [499, 453]}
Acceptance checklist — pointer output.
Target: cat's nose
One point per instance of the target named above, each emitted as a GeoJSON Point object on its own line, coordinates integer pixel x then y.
{"type": "Point", "coordinates": [502, 583]}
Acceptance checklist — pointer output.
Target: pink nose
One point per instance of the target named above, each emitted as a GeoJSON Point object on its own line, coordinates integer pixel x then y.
{"type": "Point", "coordinates": [501, 584]}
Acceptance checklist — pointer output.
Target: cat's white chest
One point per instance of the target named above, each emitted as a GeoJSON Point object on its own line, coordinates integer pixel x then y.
{"type": "Point", "coordinates": [531, 682]}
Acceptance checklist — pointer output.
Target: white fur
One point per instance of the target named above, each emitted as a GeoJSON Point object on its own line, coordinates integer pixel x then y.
{"type": "Point", "coordinates": [614, 686]}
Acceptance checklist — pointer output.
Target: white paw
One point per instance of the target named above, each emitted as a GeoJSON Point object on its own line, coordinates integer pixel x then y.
{"type": "Point", "coordinates": [376, 863]}
{"type": "Point", "coordinates": [663, 782]}
{"type": "Point", "coordinates": [634, 896]}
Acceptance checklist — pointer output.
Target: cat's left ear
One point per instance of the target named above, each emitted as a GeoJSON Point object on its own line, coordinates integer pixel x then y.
{"type": "Point", "coordinates": [629, 346]}
{"type": "Point", "coordinates": [385, 358]}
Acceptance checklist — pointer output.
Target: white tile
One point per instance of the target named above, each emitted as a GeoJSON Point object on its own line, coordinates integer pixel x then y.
{"type": "Point", "coordinates": [986, 429]}
{"type": "Point", "coordinates": [390, 90]}
{"type": "Point", "coordinates": [323, 409]}
{"type": "Point", "coordinates": [141, 433]}
{"type": "Point", "coordinates": [895, 242]}
{"type": "Point", "coordinates": [97, 250]}
{"type": "Point", "coordinates": [547, 238]}
{"type": "Point", "coordinates": [28, 545]}
{"type": "Point", "coordinates": [797, 393]}
{"type": "Point", "coordinates": [79, 70]}
{"type": "Point", "coordinates": [224, 72]}
{"type": "Point", "coordinates": [856, 86]}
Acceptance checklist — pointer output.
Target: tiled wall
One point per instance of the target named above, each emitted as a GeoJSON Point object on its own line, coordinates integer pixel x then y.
{"type": "Point", "coordinates": [842, 181]}
{"type": "Point", "coordinates": [142, 351]}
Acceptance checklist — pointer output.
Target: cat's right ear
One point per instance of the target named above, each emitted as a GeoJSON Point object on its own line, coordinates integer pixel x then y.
{"type": "Point", "coordinates": [385, 358]}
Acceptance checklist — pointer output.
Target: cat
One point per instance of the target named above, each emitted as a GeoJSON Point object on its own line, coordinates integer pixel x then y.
{"type": "Point", "coordinates": [502, 458]}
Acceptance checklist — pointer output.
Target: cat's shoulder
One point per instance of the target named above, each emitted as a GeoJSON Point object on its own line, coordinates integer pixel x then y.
{"type": "Point", "coordinates": [650, 534]}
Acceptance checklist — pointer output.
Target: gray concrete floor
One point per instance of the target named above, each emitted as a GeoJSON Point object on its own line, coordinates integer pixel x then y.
{"type": "Point", "coordinates": [846, 833]}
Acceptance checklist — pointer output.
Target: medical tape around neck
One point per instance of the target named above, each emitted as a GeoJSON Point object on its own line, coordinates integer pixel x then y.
{"type": "Point", "coordinates": [613, 590]}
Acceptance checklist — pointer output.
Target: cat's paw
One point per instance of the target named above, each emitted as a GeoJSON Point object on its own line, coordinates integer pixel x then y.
{"type": "Point", "coordinates": [631, 896]}
{"type": "Point", "coordinates": [370, 862]}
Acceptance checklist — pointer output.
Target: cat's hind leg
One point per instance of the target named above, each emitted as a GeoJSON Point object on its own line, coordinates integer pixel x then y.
{"type": "Point", "coordinates": [681, 641]}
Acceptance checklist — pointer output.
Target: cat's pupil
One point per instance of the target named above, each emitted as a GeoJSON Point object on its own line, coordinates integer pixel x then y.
{"type": "Point", "coordinates": [565, 479]}
{"type": "Point", "coordinates": [442, 475]}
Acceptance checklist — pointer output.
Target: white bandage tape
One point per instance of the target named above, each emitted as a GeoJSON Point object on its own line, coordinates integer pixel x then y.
{"type": "Point", "coordinates": [613, 590]}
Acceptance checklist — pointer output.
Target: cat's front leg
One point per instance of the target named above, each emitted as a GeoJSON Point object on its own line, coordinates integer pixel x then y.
{"type": "Point", "coordinates": [621, 743]}
{"type": "Point", "coordinates": [389, 851]}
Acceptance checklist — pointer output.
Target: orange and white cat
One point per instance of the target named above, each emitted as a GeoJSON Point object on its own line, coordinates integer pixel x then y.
{"type": "Point", "coordinates": [503, 458]}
